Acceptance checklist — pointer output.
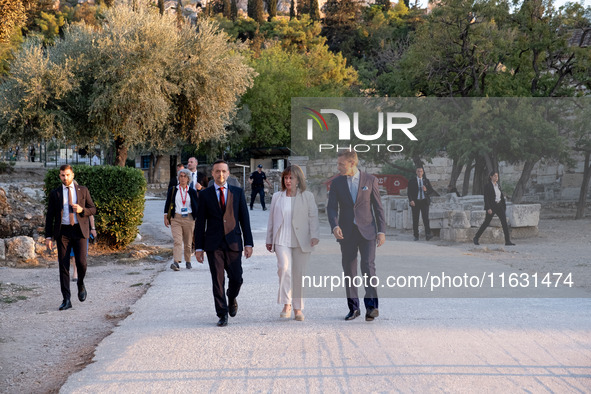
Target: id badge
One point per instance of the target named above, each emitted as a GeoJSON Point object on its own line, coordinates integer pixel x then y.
{"type": "Point", "coordinates": [184, 212]}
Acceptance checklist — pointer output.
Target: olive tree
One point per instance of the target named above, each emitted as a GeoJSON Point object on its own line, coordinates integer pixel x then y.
{"type": "Point", "coordinates": [139, 79]}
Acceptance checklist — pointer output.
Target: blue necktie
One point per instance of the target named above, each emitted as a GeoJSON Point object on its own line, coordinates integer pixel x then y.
{"type": "Point", "coordinates": [353, 190]}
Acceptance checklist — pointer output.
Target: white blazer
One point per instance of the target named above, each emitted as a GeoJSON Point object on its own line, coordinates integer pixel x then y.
{"type": "Point", "coordinates": [304, 226]}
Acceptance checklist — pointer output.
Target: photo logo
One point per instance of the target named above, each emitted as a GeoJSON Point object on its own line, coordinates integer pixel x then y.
{"type": "Point", "coordinates": [390, 119]}
{"type": "Point", "coordinates": [317, 117]}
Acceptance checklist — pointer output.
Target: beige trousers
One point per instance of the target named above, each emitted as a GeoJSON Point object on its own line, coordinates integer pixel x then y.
{"type": "Point", "coordinates": [291, 263]}
{"type": "Point", "coordinates": [182, 234]}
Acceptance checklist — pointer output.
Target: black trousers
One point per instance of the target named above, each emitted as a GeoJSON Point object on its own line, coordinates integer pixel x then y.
{"type": "Point", "coordinates": [219, 261]}
{"type": "Point", "coordinates": [260, 190]}
{"type": "Point", "coordinates": [367, 250]}
{"type": "Point", "coordinates": [421, 207]}
{"type": "Point", "coordinates": [71, 238]}
{"type": "Point", "coordinates": [498, 210]}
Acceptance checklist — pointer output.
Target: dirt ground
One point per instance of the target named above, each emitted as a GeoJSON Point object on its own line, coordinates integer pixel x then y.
{"type": "Point", "coordinates": [41, 346]}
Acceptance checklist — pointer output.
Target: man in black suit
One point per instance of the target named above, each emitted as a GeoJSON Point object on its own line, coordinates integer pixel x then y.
{"type": "Point", "coordinates": [222, 224]}
{"type": "Point", "coordinates": [67, 223]}
{"type": "Point", "coordinates": [357, 220]}
{"type": "Point", "coordinates": [198, 180]}
{"type": "Point", "coordinates": [419, 190]}
{"type": "Point", "coordinates": [494, 204]}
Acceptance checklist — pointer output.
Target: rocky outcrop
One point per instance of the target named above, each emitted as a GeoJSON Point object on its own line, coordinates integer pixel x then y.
{"type": "Point", "coordinates": [22, 217]}
{"type": "Point", "coordinates": [20, 248]}
{"type": "Point", "coordinates": [20, 214]}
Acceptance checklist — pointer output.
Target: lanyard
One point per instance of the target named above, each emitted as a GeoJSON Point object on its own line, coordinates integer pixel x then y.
{"type": "Point", "coordinates": [184, 200]}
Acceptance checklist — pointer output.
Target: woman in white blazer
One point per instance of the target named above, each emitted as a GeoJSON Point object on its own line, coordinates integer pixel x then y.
{"type": "Point", "coordinates": [292, 232]}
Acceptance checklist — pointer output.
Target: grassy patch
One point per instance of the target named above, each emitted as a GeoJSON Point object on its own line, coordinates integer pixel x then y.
{"type": "Point", "coordinates": [11, 293]}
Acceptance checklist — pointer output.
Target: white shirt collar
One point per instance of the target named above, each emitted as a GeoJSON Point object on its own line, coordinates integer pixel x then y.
{"type": "Point", "coordinates": [225, 186]}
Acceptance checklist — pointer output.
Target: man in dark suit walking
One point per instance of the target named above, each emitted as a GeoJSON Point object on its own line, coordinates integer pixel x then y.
{"type": "Point", "coordinates": [419, 190]}
{"type": "Point", "coordinates": [221, 226]}
{"type": "Point", "coordinates": [67, 223]}
{"type": "Point", "coordinates": [357, 220]}
{"type": "Point", "coordinates": [494, 204]}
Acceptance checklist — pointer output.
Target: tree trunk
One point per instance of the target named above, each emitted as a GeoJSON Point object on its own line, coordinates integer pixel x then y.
{"type": "Point", "coordinates": [491, 163]}
{"type": "Point", "coordinates": [418, 162]}
{"type": "Point", "coordinates": [456, 169]}
{"type": "Point", "coordinates": [583, 195]}
{"type": "Point", "coordinates": [520, 187]}
{"type": "Point", "coordinates": [479, 176]}
{"type": "Point", "coordinates": [172, 166]}
{"type": "Point", "coordinates": [120, 152]}
{"type": "Point", "coordinates": [156, 162]}
{"type": "Point", "coordinates": [466, 183]}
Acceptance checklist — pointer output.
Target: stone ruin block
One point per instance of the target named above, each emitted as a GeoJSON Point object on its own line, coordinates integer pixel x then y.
{"type": "Point", "coordinates": [435, 223]}
{"type": "Point", "coordinates": [523, 215]}
{"type": "Point", "coordinates": [459, 220]}
{"type": "Point", "coordinates": [398, 221]}
{"type": "Point", "coordinates": [455, 234]}
{"type": "Point", "coordinates": [407, 219]}
{"type": "Point", "coordinates": [437, 214]}
{"type": "Point", "coordinates": [402, 204]}
{"type": "Point", "coordinates": [524, 232]}
{"type": "Point", "coordinates": [477, 218]}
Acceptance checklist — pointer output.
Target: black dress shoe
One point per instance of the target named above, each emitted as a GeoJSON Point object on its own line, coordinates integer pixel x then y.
{"type": "Point", "coordinates": [371, 314]}
{"type": "Point", "coordinates": [509, 243]}
{"type": "Point", "coordinates": [475, 240]}
{"type": "Point", "coordinates": [233, 307]}
{"type": "Point", "coordinates": [352, 315]}
{"type": "Point", "coordinates": [82, 293]}
{"type": "Point", "coordinates": [416, 238]}
{"type": "Point", "coordinates": [223, 321]}
{"type": "Point", "coordinates": [429, 237]}
{"type": "Point", "coordinates": [66, 304]}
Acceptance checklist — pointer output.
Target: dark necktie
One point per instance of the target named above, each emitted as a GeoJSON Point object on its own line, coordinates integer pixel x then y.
{"type": "Point", "coordinates": [70, 206]}
{"type": "Point", "coordinates": [421, 195]}
{"type": "Point", "coordinates": [222, 200]}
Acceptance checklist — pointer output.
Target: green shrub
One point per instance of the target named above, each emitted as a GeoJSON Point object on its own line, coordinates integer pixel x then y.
{"type": "Point", "coordinates": [117, 192]}
{"type": "Point", "coordinates": [6, 167]}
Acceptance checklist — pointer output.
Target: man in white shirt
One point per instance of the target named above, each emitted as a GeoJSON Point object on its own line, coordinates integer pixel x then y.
{"type": "Point", "coordinates": [419, 190]}
{"type": "Point", "coordinates": [358, 223]}
{"type": "Point", "coordinates": [222, 230]}
{"type": "Point", "coordinates": [494, 204]}
{"type": "Point", "coordinates": [67, 223]}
